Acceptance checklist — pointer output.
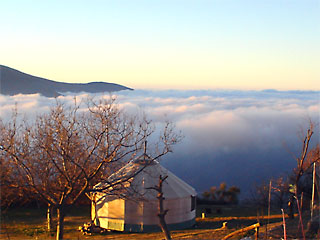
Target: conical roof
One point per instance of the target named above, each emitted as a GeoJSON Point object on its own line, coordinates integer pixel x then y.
{"type": "Point", "coordinates": [141, 175]}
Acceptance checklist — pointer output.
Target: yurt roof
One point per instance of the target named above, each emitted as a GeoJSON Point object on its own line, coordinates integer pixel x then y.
{"type": "Point", "coordinates": [143, 173]}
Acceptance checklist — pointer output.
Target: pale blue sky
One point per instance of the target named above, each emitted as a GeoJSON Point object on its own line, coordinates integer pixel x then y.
{"type": "Point", "coordinates": [166, 44]}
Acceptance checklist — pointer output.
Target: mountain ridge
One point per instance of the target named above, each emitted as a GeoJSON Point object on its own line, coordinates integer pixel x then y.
{"type": "Point", "coordinates": [13, 81]}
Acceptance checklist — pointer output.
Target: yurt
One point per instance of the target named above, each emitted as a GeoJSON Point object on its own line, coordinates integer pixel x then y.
{"type": "Point", "coordinates": [128, 203]}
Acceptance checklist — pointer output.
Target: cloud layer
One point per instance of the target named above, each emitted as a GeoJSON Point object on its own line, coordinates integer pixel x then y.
{"type": "Point", "coordinates": [240, 137]}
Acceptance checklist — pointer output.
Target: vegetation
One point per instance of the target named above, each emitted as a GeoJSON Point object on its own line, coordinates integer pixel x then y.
{"type": "Point", "coordinates": [222, 195]}
{"type": "Point", "coordinates": [62, 154]}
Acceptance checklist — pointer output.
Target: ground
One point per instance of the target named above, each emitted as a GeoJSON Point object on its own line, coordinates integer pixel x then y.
{"type": "Point", "coordinates": [22, 223]}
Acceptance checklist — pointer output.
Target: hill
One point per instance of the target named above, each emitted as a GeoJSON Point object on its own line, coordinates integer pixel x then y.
{"type": "Point", "coordinates": [14, 82]}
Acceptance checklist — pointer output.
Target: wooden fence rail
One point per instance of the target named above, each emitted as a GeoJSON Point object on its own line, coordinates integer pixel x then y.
{"type": "Point", "coordinates": [243, 230]}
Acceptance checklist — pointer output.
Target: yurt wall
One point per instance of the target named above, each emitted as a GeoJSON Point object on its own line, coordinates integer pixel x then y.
{"type": "Point", "coordinates": [110, 214]}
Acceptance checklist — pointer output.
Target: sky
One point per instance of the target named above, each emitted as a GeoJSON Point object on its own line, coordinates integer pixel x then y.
{"type": "Point", "coordinates": [166, 44]}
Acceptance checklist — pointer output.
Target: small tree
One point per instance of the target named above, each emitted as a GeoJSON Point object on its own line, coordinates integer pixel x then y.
{"type": "Point", "coordinates": [221, 191]}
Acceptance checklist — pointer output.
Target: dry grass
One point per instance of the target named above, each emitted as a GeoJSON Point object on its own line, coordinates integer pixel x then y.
{"type": "Point", "coordinates": [34, 228]}
{"type": "Point", "coordinates": [30, 224]}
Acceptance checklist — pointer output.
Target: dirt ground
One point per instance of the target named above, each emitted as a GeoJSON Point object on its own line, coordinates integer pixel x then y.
{"type": "Point", "coordinates": [23, 224]}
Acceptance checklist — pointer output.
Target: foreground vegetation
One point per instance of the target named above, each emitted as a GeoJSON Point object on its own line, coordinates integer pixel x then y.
{"type": "Point", "coordinates": [30, 223]}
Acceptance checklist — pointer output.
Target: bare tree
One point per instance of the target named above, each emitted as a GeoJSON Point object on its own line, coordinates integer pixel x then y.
{"type": "Point", "coordinates": [14, 191]}
{"type": "Point", "coordinates": [65, 152]}
{"type": "Point", "coordinates": [304, 163]}
{"type": "Point", "coordinates": [279, 193]}
{"type": "Point", "coordinates": [11, 187]}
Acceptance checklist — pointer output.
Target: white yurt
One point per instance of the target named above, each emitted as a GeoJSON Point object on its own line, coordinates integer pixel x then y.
{"type": "Point", "coordinates": [132, 206]}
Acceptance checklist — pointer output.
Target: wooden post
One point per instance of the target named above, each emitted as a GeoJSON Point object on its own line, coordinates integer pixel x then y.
{"type": "Point", "coordinates": [313, 189]}
{"type": "Point", "coordinates": [284, 225]}
{"type": "Point", "coordinates": [269, 207]}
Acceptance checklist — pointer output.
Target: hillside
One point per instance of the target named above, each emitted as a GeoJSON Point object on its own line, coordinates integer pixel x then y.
{"type": "Point", "coordinates": [14, 82]}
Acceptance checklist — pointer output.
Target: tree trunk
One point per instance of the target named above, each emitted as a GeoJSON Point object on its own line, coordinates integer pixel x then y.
{"type": "Point", "coordinates": [60, 222]}
{"type": "Point", "coordinates": [164, 227]}
{"type": "Point", "coordinates": [49, 217]}
{"type": "Point", "coordinates": [162, 213]}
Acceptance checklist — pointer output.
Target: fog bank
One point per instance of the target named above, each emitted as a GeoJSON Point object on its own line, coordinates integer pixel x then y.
{"type": "Point", "coordinates": [240, 137]}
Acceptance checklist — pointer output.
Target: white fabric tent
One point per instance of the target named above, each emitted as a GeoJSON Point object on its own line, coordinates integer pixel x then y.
{"type": "Point", "coordinates": [135, 208]}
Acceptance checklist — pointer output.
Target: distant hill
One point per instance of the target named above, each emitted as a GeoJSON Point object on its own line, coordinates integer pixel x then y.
{"type": "Point", "coordinates": [14, 82]}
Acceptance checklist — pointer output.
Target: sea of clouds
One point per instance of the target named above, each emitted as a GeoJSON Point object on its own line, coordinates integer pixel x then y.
{"type": "Point", "coordinates": [240, 137]}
